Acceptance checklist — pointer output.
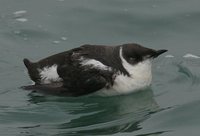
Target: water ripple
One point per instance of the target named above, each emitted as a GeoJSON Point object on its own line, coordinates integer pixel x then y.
{"type": "Point", "coordinates": [97, 115]}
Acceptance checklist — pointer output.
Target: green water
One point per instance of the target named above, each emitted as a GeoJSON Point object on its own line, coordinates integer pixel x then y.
{"type": "Point", "coordinates": [38, 28]}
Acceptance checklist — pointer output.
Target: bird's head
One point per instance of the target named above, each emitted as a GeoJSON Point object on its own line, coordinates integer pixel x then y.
{"type": "Point", "coordinates": [134, 53]}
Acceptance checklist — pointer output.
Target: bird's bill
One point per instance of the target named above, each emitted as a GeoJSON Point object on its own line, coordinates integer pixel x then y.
{"type": "Point", "coordinates": [159, 52]}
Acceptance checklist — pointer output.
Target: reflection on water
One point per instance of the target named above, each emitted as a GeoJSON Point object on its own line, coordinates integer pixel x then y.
{"type": "Point", "coordinates": [101, 115]}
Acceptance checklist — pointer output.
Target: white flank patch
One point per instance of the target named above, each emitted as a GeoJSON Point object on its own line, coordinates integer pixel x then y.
{"type": "Point", "coordinates": [94, 63]}
{"type": "Point", "coordinates": [191, 56]}
{"type": "Point", "coordinates": [49, 75]}
{"type": "Point", "coordinates": [140, 77]}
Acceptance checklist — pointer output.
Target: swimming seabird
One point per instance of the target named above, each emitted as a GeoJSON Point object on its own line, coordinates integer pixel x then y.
{"type": "Point", "coordinates": [106, 70]}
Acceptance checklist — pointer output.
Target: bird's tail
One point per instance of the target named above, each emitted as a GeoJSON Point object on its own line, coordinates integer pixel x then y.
{"type": "Point", "coordinates": [27, 63]}
{"type": "Point", "coordinates": [32, 70]}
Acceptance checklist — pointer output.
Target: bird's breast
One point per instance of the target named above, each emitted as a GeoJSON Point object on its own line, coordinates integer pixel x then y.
{"type": "Point", "coordinates": [124, 85]}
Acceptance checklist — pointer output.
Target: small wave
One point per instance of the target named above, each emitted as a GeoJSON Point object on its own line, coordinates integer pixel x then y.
{"type": "Point", "coordinates": [169, 56]}
{"type": "Point", "coordinates": [19, 13]}
{"type": "Point", "coordinates": [56, 42]}
{"type": "Point", "coordinates": [194, 78]}
{"type": "Point", "coordinates": [22, 19]}
{"type": "Point", "coordinates": [64, 38]}
{"type": "Point", "coordinates": [189, 55]}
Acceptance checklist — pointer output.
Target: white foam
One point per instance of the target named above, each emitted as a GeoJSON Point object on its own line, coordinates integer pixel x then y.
{"type": "Point", "coordinates": [20, 12]}
{"type": "Point", "coordinates": [21, 19]}
{"type": "Point", "coordinates": [189, 55]}
{"type": "Point", "coordinates": [17, 32]}
{"type": "Point", "coordinates": [19, 16]}
{"type": "Point", "coordinates": [56, 42]}
{"type": "Point", "coordinates": [63, 38]}
{"type": "Point", "coordinates": [169, 56]}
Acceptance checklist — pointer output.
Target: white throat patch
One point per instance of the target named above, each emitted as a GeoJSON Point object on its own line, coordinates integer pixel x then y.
{"type": "Point", "coordinates": [140, 77]}
{"type": "Point", "coordinates": [141, 70]}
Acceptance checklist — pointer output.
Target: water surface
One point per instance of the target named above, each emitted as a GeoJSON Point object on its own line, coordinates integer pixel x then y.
{"type": "Point", "coordinates": [38, 28]}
